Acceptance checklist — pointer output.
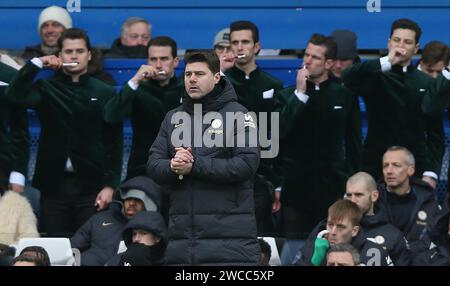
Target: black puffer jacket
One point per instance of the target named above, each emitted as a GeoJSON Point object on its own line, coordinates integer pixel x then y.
{"type": "Point", "coordinates": [211, 215]}
{"type": "Point", "coordinates": [140, 255]}
{"type": "Point", "coordinates": [378, 230]}
{"type": "Point", "coordinates": [422, 216]}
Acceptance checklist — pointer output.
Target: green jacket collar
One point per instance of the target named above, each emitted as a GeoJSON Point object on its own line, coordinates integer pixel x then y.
{"type": "Point", "coordinates": [61, 76]}
{"type": "Point", "coordinates": [240, 74]}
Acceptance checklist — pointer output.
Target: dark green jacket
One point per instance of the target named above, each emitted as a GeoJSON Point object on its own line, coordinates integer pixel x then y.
{"type": "Point", "coordinates": [438, 99]}
{"type": "Point", "coordinates": [250, 91]}
{"type": "Point", "coordinates": [14, 135]}
{"type": "Point", "coordinates": [393, 102]}
{"type": "Point", "coordinates": [322, 144]}
{"type": "Point", "coordinates": [72, 125]}
{"type": "Point", "coordinates": [147, 107]}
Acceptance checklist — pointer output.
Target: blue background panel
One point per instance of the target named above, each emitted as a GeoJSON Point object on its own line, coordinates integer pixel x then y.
{"type": "Point", "coordinates": [193, 24]}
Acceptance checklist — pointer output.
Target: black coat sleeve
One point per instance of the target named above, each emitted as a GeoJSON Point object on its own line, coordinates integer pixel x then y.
{"type": "Point", "coordinates": [158, 165]}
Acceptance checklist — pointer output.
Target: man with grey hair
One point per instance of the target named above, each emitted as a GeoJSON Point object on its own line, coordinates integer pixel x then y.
{"type": "Point", "coordinates": [342, 254]}
{"type": "Point", "coordinates": [362, 190]}
{"type": "Point", "coordinates": [135, 35]}
{"type": "Point", "coordinates": [409, 202]}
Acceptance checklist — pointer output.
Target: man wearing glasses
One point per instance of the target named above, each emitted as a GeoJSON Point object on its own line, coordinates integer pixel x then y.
{"type": "Point", "coordinates": [222, 47]}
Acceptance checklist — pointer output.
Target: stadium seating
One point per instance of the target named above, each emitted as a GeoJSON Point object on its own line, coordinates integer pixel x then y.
{"type": "Point", "coordinates": [58, 248]}
{"type": "Point", "coordinates": [284, 24]}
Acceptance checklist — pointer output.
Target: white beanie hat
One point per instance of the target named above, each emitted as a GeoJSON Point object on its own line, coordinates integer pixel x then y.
{"type": "Point", "coordinates": [57, 14]}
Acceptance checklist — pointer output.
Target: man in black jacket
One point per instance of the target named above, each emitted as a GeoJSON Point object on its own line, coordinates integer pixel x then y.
{"type": "Point", "coordinates": [98, 239]}
{"type": "Point", "coordinates": [410, 203]}
{"type": "Point", "coordinates": [132, 44]}
{"type": "Point", "coordinates": [146, 241]}
{"type": "Point", "coordinates": [341, 226]}
{"type": "Point", "coordinates": [362, 190]}
{"type": "Point", "coordinates": [209, 181]}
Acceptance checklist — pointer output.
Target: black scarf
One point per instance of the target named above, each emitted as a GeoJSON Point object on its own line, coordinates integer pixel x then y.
{"type": "Point", "coordinates": [139, 254]}
{"type": "Point", "coordinates": [213, 101]}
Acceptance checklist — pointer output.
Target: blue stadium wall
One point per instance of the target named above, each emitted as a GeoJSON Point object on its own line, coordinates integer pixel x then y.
{"type": "Point", "coordinates": [284, 24]}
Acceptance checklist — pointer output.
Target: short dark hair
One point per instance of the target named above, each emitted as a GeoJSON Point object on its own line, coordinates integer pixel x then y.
{"type": "Point", "coordinates": [245, 25]}
{"type": "Point", "coordinates": [73, 34]}
{"type": "Point", "coordinates": [327, 42]}
{"type": "Point", "coordinates": [28, 258]}
{"type": "Point", "coordinates": [434, 52]}
{"type": "Point", "coordinates": [265, 248]}
{"type": "Point", "coordinates": [406, 24]}
{"type": "Point", "coordinates": [208, 57]}
{"type": "Point", "coordinates": [37, 251]}
{"type": "Point", "coordinates": [164, 41]}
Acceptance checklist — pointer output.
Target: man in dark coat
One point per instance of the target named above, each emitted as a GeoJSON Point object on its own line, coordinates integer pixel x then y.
{"type": "Point", "coordinates": [211, 212]}
{"type": "Point", "coordinates": [146, 98]}
{"type": "Point", "coordinates": [341, 226]}
{"type": "Point", "coordinates": [321, 142]}
{"type": "Point", "coordinates": [80, 155]}
{"type": "Point", "coordinates": [393, 91]}
{"type": "Point", "coordinates": [146, 239]}
{"type": "Point", "coordinates": [14, 138]}
{"type": "Point", "coordinates": [98, 239]}
{"type": "Point", "coordinates": [255, 90]}
{"type": "Point", "coordinates": [362, 190]}
{"type": "Point", "coordinates": [132, 43]}
{"type": "Point", "coordinates": [411, 205]}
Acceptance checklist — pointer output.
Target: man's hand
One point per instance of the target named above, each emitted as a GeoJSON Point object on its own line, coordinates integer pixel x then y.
{"type": "Point", "coordinates": [432, 182]}
{"type": "Point", "coordinates": [276, 205]}
{"type": "Point", "coordinates": [52, 62]}
{"type": "Point", "coordinates": [184, 155]}
{"type": "Point", "coordinates": [145, 72]}
{"type": "Point", "coordinates": [16, 188]}
{"type": "Point", "coordinates": [181, 163]}
{"type": "Point", "coordinates": [302, 77]}
{"type": "Point", "coordinates": [104, 198]}
{"type": "Point", "coordinates": [396, 55]}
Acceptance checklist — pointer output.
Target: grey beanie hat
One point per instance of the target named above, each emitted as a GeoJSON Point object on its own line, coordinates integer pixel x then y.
{"type": "Point", "coordinates": [222, 37]}
{"type": "Point", "coordinates": [138, 194]}
{"type": "Point", "coordinates": [346, 44]}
